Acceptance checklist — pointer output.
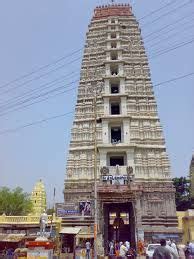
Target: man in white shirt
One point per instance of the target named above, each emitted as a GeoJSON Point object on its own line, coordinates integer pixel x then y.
{"type": "Point", "coordinates": [174, 254]}
{"type": "Point", "coordinates": [88, 246]}
{"type": "Point", "coordinates": [127, 244]}
{"type": "Point", "coordinates": [123, 250]}
{"type": "Point", "coordinates": [191, 248]}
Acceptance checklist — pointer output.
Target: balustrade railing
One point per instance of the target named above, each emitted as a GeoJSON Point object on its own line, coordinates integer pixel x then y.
{"type": "Point", "coordinates": [24, 219]}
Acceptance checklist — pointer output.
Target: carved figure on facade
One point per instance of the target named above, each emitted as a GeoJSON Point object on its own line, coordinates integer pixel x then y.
{"type": "Point", "coordinates": [130, 174]}
{"type": "Point", "coordinates": [104, 171]}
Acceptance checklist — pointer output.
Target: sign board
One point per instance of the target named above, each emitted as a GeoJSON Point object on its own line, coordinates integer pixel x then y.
{"type": "Point", "coordinates": [114, 177]}
{"type": "Point", "coordinates": [85, 208]}
{"type": "Point", "coordinates": [82, 208]}
{"type": "Point", "coordinates": [65, 212]}
{"type": "Point", "coordinates": [39, 253]}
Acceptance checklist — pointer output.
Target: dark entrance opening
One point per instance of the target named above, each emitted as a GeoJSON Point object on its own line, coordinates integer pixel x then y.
{"type": "Point", "coordinates": [68, 241]}
{"type": "Point", "coordinates": [117, 160]}
{"type": "Point", "coordinates": [119, 223]}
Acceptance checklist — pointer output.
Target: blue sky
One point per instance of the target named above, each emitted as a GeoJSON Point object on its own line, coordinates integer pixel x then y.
{"type": "Point", "coordinates": [35, 33]}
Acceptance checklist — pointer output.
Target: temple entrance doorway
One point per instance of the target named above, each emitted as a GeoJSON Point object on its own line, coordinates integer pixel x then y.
{"type": "Point", "coordinates": [119, 223]}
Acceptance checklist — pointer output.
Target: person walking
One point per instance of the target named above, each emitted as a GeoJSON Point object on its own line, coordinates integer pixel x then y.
{"type": "Point", "coordinates": [191, 249]}
{"type": "Point", "coordinates": [161, 252]}
{"type": "Point", "coordinates": [111, 248]}
{"type": "Point", "coordinates": [187, 250]}
{"type": "Point", "coordinates": [173, 245]}
{"type": "Point", "coordinates": [117, 248]}
{"type": "Point", "coordinates": [173, 252]}
{"type": "Point", "coordinates": [127, 244]}
{"type": "Point", "coordinates": [123, 250]}
{"type": "Point", "coordinates": [88, 247]}
{"type": "Point", "coordinates": [140, 246]}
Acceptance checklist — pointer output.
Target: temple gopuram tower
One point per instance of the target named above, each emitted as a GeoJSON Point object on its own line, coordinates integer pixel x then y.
{"type": "Point", "coordinates": [38, 198]}
{"type": "Point", "coordinates": [135, 194]}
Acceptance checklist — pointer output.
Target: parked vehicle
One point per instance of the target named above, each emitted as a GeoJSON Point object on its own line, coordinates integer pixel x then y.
{"type": "Point", "coordinates": [150, 250]}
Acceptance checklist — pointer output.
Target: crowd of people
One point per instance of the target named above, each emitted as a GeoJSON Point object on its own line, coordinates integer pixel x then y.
{"type": "Point", "coordinates": [122, 249]}
{"type": "Point", "coordinates": [169, 250]}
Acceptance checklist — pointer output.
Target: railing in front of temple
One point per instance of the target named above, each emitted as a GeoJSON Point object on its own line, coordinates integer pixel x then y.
{"type": "Point", "coordinates": [25, 219]}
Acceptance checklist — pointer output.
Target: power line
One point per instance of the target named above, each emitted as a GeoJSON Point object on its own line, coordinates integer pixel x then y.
{"type": "Point", "coordinates": [159, 53]}
{"type": "Point", "coordinates": [33, 90]}
{"type": "Point", "coordinates": [157, 10]}
{"type": "Point", "coordinates": [171, 11]}
{"type": "Point", "coordinates": [57, 61]}
{"type": "Point", "coordinates": [174, 79]}
{"type": "Point", "coordinates": [39, 101]}
{"type": "Point", "coordinates": [170, 46]}
{"type": "Point", "coordinates": [172, 35]}
{"type": "Point", "coordinates": [41, 68]}
{"type": "Point", "coordinates": [62, 115]}
{"type": "Point", "coordinates": [40, 76]}
{"type": "Point", "coordinates": [40, 95]}
{"type": "Point", "coordinates": [175, 22]}
{"type": "Point", "coordinates": [168, 25]}
{"type": "Point", "coordinates": [155, 55]}
{"type": "Point", "coordinates": [59, 88]}
{"type": "Point", "coordinates": [49, 83]}
{"type": "Point", "coordinates": [40, 88]}
{"type": "Point", "coordinates": [35, 123]}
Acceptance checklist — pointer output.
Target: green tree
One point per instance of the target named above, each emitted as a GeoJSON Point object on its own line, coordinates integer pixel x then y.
{"type": "Point", "coordinates": [14, 202]}
{"type": "Point", "coordinates": [182, 195]}
{"type": "Point", "coordinates": [50, 211]}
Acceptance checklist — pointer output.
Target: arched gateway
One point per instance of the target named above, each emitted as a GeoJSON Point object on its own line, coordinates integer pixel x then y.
{"type": "Point", "coordinates": [117, 139]}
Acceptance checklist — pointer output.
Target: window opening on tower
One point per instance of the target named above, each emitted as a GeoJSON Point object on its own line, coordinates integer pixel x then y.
{"type": "Point", "coordinates": [113, 45]}
{"type": "Point", "coordinates": [113, 35]}
{"type": "Point", "coordinates": [114, 55]}
{"type": "Point", "coordinates": [115, 108]}
{"type": "Point", "coordinates": [114, 88]}
{"type": "Point", "coordinates": [114, 70]}
{"type": "Point", "coordinates": [115, 135]}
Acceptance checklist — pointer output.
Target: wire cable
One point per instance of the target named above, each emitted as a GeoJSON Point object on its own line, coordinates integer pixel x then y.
{"type": "Point", "coordinates": [39, 101]}
{"type": "Point", "coordinates": [154, 55]}
{"type": "Point", "coordinates": [35, 123]}
{"type": "Point", "coordinates": [40, 76]}
{"type": "Point", "coordinates": [151, 57]}
{"type": "Point", "coordinates": [157, 10]}
{"type": "Point", "coordinates": [39, 88]}
{"type": "Point", "coordinates": [40, 95]}
{"type": "Point", "coordinates": [41, 68]}
{"type": "Point", "coordinates": [159, 53]}
{"type": "Point", "coordinates": [171, 36]}
{"type": "Point", "coordinates": [172, 29]}
{"type": "Point", "coordinates": [174, 79]}
{"type": "Point", "coordinates": [61, 115]}
{"type": "Point", "coordinates": [165, 14]}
